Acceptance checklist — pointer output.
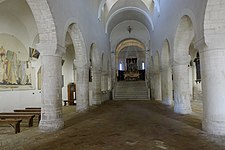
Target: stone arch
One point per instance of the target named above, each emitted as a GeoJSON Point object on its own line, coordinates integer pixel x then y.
{"type": "Point", "coordinates": [166, 73]}
{"type": "Point", "coordinates": [51, 119]}
{"type": "Point", "coordinates": [101, 9]}
{"type": "Point", "coordinates": [157, 77]}
{"type": "Point", "coordinates": [183, 38]}
{"type": "Point", "coordinates": [96, 70]}
{"type": "Point", "coordinates": [165, 54]}
{"type": "Point", "coordinates": [68, 69]}
{"type": "Point", "coordinates": [124, 45]}
{"type": "Point", "coordinates": [94, 56]}
{"type": "Point", "coordinates": [79, 44]}
{"type": "Point", "coordinates": [81, 67]}
{"type": "Point", "coordinates": [45, 23]}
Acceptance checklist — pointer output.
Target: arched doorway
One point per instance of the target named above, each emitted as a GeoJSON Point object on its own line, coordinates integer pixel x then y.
{"type": "Point", "coordinates": [130, 60]}
{"type": "Point", "coordinates": [69, 71]}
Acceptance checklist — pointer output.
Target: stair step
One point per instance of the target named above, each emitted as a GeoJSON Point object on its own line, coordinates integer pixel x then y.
{"type": "Point", "coordinates": [131, 90]}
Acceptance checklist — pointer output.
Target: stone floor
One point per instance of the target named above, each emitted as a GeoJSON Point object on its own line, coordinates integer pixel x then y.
{"type": "Point", "coordinates": [119, 125]}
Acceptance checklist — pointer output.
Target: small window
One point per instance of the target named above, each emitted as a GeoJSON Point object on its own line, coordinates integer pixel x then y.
{"type": "Point", "coordinates": [143, 66]}
{"type": "Point", "coordinates": [121, 66]}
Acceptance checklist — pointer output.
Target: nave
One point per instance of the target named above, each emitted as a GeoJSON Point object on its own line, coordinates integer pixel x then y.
{"type": "Point", "coordinates": [122, 125]}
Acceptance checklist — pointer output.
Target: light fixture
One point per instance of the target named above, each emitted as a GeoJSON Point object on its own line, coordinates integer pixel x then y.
{"type": "Point", "coordinates": [129, 29]}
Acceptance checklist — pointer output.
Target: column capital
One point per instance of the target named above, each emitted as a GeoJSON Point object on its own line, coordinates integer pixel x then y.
{"type": "Point", "coordinates": [47, 48]}
{"type": "Point", "coordinates": [164, 67]}
{"type": "Point", "coordinates": [200, 44]}
{"type": "Point", "coordinates": [60, 51]}
{"type": "Point", "coordinates": [181, 60]}
{"type": "Point", "coordinates": [80, 65]}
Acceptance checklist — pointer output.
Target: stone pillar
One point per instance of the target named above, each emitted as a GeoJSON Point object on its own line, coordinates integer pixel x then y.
{"type": "Point", "coordinates": [96, 87]}
{"type": "Point", "coordinates": [113, 73]}
{"type": "Point", "coordinates": [147, 72]}
{"type": "Point", "coordinates": [82, 86]}
{"type": "Point", "coordinates": [166, 84]}
{"type": "Point", "coordinates": [157, 86]}
{"type": "Point", "coordinates": [182, 95]}
{"type": "Point", "coordinates": [151, 78]}
{"type": "Point", "coordinates": [104, 89]}
{"type": "Point", "coordinates": [51, 111]}
{"type": "Point", "coordinates": [104, 81]}
{"type": "Point", "coordinates": [213, 84]}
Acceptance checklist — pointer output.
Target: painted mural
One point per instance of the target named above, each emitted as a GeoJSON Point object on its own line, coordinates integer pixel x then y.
{"type": "Point", "coordinates": [13, 72]}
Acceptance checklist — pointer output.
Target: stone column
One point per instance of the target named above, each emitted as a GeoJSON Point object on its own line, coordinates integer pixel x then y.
{"type": "Point", "coordinates": [104, 81]}
{"type": "Point", "coordinates": [113, 73]}
{"type": "Point", "coordinates": [82, 86]}
{"type": "Point", "coordinates": [147, 72]}
{"type": "Point", "coordinates": [51, 111]}
{"type": "Point", "coordinates": [182, 95]}
{"type": "Point", "coordinates": [157, 85]}
{"type": "Point", "coordinates": [104, 86]}
{"type": "Point", "coordinates": [213, 84]}
{"type": "Point", "coordinates": [166, 84]}
{"type": "Point", "coordinates": [96, 87]}
{"type": "Point", "coordinates": [151, 78]}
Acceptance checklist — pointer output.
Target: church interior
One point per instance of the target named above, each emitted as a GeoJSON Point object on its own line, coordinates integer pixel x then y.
{"type": "Point", "coordinates": [112, 74]}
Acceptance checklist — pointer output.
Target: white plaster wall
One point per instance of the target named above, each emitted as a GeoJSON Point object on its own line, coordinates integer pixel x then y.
{"type": "Point", "coordinates": [17, 33]}
{"type": "Point", "coordinates": [10, 100]}
{"type": "Point", "coordinates": [85, 15]}
{"type": "Point", "coordinates": [16, 19]}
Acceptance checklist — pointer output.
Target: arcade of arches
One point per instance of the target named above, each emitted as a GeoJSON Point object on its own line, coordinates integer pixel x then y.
{"type": "Point", "coordinates": [92, 51]}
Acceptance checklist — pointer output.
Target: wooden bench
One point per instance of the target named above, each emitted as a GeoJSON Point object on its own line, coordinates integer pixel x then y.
{"type": "Point", "coordinates": [27, 110]}
{"type": "Point", "coordinates": [33, 108]}
{"type": "Point", "coordinates": [29, 117]}
{"type": "Point", "coordinates": [38, 114]}
{"type": "Point", "coordinates": [15, 123]}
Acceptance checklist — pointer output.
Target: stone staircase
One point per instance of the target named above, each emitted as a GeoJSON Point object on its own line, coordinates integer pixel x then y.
{"type": "Point", "coordinates": [131, 90]}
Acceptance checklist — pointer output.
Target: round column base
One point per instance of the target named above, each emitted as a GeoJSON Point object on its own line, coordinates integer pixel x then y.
{"type": "Point", "coordinates": [167, 102]}
{"type": "Point", "coordinates": [214, 127]}
{"type": "Point", "coordinates": [180, 109]}
{"type": "Point", "coordinates": [50, 126]}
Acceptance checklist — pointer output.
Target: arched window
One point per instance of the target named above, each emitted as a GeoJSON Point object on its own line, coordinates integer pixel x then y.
{"type": "Point", "coordinates": [121, 66]}
{"type": "Point", "coordinates": [143, 66]}
{"type": "Point", "coordinates": [198, 70]}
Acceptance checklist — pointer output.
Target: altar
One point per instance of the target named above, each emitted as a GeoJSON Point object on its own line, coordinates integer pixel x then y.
{"type": "Point", "coordinates": [131, 72]}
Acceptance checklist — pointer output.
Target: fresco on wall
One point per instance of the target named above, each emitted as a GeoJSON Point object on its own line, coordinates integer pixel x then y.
{"type": "Point", "coordinates": [13, 72]}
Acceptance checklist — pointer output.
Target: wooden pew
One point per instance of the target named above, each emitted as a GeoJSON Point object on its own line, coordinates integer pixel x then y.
{"type": "Point", "coordinates": [33, 108]}
{"type": "Point", "coordinates": [38, 114]}
{"type": "Point", "coordinates": [29, 117]}
{"type": "Point", "coordinates": [27, 110]}
{"type": "Point", "coordinates": [15, 123]}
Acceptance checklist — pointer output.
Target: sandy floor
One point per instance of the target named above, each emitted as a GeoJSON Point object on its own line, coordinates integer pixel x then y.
{"type": "Point", "coordinates": [120, 125]}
